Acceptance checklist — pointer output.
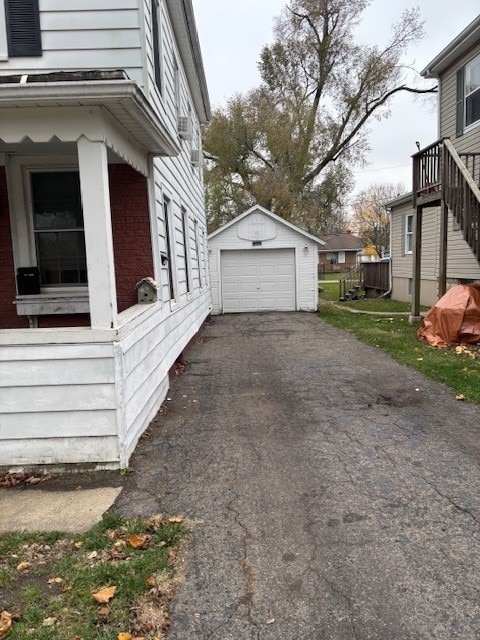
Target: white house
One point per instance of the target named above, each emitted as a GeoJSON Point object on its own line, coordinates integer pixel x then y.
{"type": "Point", "coordinates": [260, 262]}
{"type": "Point", "coordinates": [101, 108]}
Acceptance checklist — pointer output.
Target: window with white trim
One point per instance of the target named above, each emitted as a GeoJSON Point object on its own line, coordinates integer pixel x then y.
{"type": "Point", "coordinates": [168, 263]}
{"type": "Point", "coordinates": [472, 92]}
{"type": "Point", "coordinates": [156, 44]}
{"type": "Point", "coordinates": [341, 257]}
{"type": "Point", "coordinates": [58, 228]}
{"type": "Point", "coordinates": [186, 249]}
{"type": "Point", "coordinates": [409, 233]}
{"type": "Point", "coordinates": [197, 253]}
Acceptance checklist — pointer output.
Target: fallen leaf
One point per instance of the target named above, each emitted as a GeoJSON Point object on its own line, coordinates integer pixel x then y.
{"type": "Point", "coordinates": [124, 636]}
{"type": "Point", "coordinates": [103, 612]}
{"type": "Point", "coordinates": [78, 544]}
{"type": "Point", "coordinates": [139, 541]}
{"type": "Point", "coordinates": [54, 580]}
{"type": "Point", "coordinates": [49, 622]}
{"type": "Point", "coordinates": [92, 555]}
{"type": "Point", "coordinates": [460, 397]}
{"type": "Point", "coordinates": [23, 566]}
{"type": "Point", "coordinates": [112, 534]}
{"type": "Point", "coordinates": [104, 595]}
{"type": "Point", "coordinates": [176, 519]}
{"type": "Point", "coordinates": [5, 622]}
{"type": "Point", "coordinates": [271, 621]}
{"type": "Point", "coordinates": [151, 581]}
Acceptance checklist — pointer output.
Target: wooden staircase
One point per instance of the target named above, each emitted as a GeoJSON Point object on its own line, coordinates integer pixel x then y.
{"type": "Point", "coordinates": [443, 177]}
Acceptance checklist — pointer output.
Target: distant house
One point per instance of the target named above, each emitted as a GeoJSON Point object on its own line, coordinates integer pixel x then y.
{"type": "Point", "coordinates": [101, 187]}
{"type": "Point", "coordinates": [436, 228]}
{"type": "Point", "coordinates": [261, 262]}
{"type": "Point", "coordinates": [341, 252]}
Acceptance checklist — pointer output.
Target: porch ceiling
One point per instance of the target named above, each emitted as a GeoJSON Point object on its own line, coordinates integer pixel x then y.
{"type": "Point", "coordinates": [122, 99]}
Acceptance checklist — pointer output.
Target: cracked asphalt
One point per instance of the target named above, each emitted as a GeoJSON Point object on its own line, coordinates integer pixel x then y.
{"type": "Point", "coordinates": [336, 492]}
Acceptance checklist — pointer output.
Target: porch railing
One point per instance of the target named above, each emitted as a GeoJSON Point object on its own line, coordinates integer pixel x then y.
{"type": "Point", "coordinates": [440, 172]}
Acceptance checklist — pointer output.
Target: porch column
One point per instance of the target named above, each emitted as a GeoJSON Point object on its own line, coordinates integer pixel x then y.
{"type": "Point", "coordinates": [417, 266]}
{"type": "Point", "coordinates": [92, 160]}
{"type": "Point", "coordinates": [442, 266]}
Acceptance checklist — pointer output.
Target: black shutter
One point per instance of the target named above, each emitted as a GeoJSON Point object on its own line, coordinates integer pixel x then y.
{"type": "Point", "coordinates": [23, 28]}
{"type": "Point", "coordinates": [460, 101]}
{"type": "Point", "coordinates": [156, 45]}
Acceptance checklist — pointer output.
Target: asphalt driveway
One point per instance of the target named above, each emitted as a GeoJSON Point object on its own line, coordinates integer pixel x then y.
{"type": "Point", "coordinates": [336, 493]}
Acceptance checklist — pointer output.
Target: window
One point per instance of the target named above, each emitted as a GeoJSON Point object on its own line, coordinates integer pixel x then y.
{"type": "Point", "coordinates": [23, 28]}
{"type": "Point", "coordinates": [341, 257]}
{"type": "Point", "coordinates": [168, 249]}
{"type": "Point", "coordinates": [197, 253]}
{"type": "Point", "coordinates": [157, 62]}
{"type": "Point", "coordinates": [468, 95]}
{"type": "Point", "coordinates": [177, 95]}
{"type": "Point", "coordinates": [58, 228]}
{"type": "Point", "coordinates": [409, 233]}
{"type": "Point", "coordinates": [186, 232]}
{"type": "Point", "coordinates": [472, 92]}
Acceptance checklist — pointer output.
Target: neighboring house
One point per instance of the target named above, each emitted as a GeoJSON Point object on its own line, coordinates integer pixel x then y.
{"type": "Point", "coordinates": [260, 262]}
{"type": "Point", "coordinates": [341, 252]}
{"type": "Point", "coordinates": [436, 229]}
{"type": "Point", "coordinates": [101, 105]}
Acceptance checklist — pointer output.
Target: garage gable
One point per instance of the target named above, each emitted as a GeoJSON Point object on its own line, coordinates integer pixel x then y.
{"type": "Point", "coordinates": [260, 262]}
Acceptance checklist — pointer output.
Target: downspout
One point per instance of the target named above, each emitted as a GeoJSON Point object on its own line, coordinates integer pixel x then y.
{"type": "Point", "coordinates": [390, 275]}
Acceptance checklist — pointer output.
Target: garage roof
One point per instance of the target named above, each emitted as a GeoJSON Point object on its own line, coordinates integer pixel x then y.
{"type": "Point", "coordinates": [273, 216]}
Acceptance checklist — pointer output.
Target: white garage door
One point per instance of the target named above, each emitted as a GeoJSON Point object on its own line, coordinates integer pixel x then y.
{"type": "Point", "coordinates": [258, 280]}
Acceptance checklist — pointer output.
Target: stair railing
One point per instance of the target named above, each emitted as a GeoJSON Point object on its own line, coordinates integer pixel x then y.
{"type": "Point", "coordinates": [351, 281]}
{"type": "Point", "coordinates": [462, 196]}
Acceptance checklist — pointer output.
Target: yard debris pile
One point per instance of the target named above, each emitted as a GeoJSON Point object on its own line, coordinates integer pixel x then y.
{"type": "Point", "coordinates": [21, 480]}
{"type": "Point", "coordinates": [455, 318]}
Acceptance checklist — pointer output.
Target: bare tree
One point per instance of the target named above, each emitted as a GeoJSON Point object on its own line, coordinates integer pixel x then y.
{"type": "Point", "coordinates": [290, 143]}
{"type": "Point", "coordinates": [370, 218]}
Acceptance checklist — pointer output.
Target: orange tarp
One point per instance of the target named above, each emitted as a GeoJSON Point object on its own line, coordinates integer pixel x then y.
{"type": "Point", "coordinates": [455, 319]}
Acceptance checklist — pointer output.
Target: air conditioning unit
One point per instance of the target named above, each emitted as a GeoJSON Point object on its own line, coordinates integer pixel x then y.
{"type": "Point", "coordinates": [184, 127]}
{"type": "Point", "coordinates": [196, 157]}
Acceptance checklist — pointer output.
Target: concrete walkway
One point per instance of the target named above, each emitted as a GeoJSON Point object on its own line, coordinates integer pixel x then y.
{"type": "Point", "coordinates": [337, 493]}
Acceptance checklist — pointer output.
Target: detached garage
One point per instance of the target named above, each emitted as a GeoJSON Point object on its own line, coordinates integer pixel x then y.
{"type": "Point", "coordinates": [260, 262]}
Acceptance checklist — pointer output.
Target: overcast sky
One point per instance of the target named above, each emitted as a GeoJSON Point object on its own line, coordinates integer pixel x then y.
{"type": "Point", "coordinates": [232, 33]}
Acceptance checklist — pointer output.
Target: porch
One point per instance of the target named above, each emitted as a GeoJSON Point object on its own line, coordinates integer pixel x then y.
{"type": "Point", "coordinates": [84, 367]}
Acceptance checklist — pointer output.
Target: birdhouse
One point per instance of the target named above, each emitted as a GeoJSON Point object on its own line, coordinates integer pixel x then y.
{"type": "Point", "coordinates": [147, 291]}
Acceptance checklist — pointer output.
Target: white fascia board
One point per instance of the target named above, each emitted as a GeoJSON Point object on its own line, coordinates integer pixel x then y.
{"type": "Point", "coordinates": [454, 50]}
{"type": "Point", "coordinates": [273, 216]}
{"type": "Point", "coordinates": [126, 93]}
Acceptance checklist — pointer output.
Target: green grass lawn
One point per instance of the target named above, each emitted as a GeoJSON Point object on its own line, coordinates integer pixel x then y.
{"type": "Point", "coordinates": [53, 586]}
{"type": "Point", "coordinates": [334, 276]}
{"type": "Point", "coordinates": [398, 338]}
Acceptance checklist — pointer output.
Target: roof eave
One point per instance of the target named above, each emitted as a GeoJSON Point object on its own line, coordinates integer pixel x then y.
{"type": "Point", "coordinates": [161, 141]}
{"type": "Point", "coordinates": [454, 50]}
{"type": "Point", "coordinates": [271, 215]}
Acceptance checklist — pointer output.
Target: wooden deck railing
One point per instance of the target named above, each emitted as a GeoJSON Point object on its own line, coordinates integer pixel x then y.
{"type": "Point", "coordinates": [440, 173]}
{"type": "Point", "coordinates": [376, 276]}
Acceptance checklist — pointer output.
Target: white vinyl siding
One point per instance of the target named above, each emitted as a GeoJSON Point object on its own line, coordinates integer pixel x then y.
{"type": "Point", "coordinates": [86, 34]}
